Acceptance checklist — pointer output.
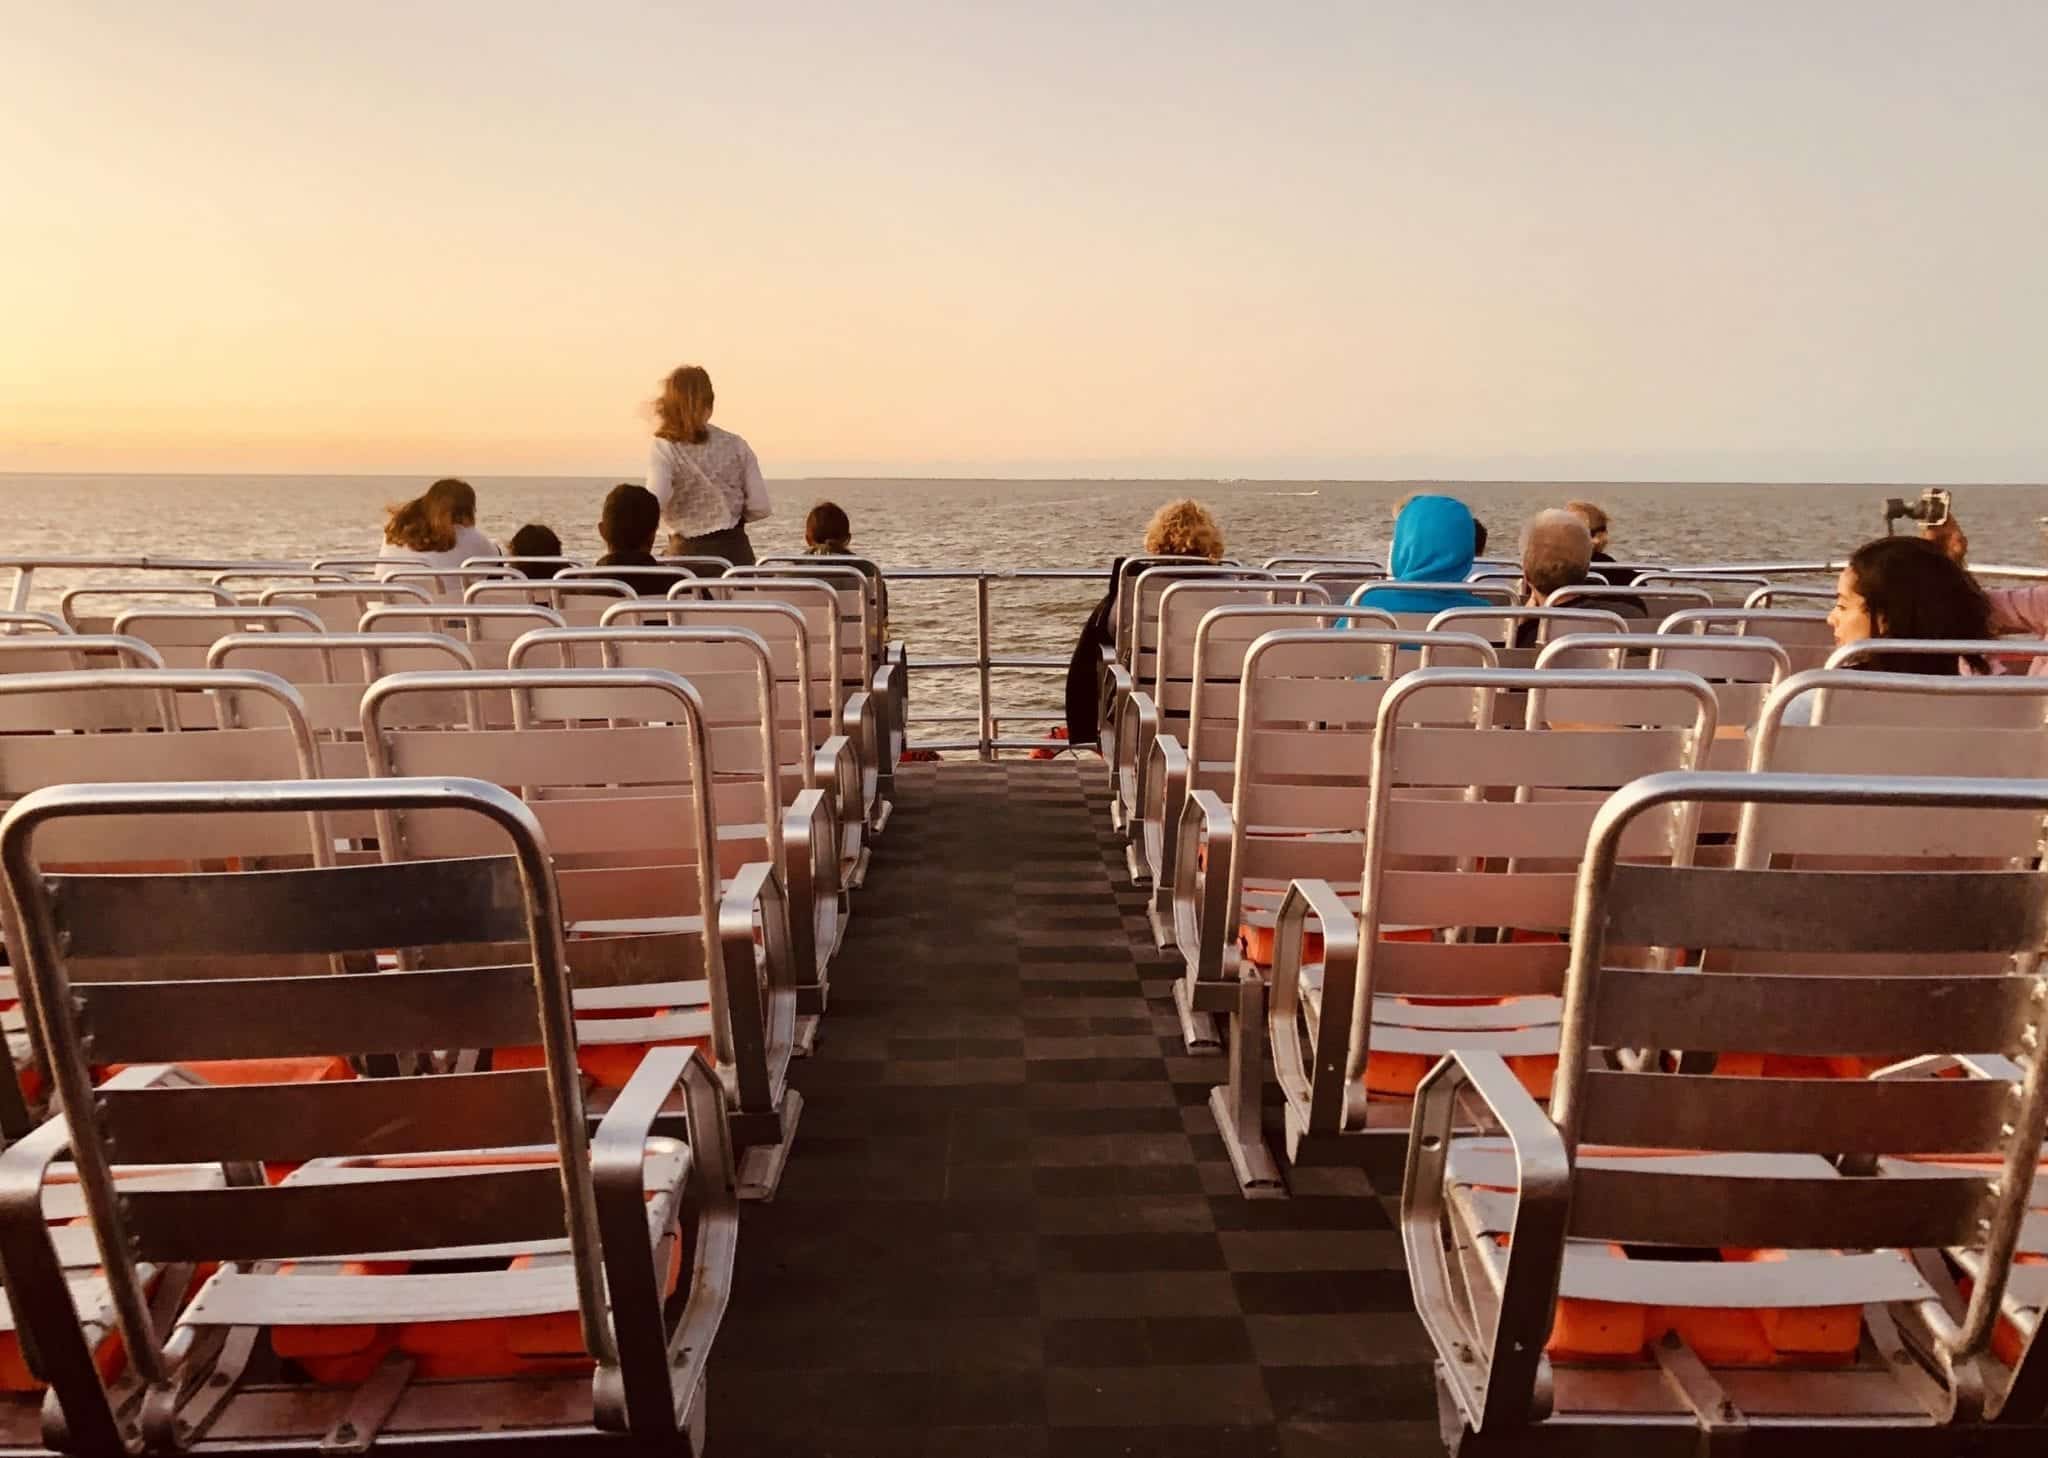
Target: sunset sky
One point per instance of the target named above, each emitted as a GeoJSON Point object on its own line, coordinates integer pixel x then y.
{"type": "Point", "coordinates": [1736, 241]}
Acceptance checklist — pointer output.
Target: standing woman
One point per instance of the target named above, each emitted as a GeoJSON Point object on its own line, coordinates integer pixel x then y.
{"type": "Point", "coordinates": [706, 479]}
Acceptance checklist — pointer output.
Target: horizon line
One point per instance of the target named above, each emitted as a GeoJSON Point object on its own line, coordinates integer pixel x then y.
{"type": "Point", "coordinates": [1161, 478]}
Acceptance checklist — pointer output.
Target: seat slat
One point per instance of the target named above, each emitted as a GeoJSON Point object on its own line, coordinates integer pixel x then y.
{"type": "Point", "coordinates": [1824, 1212]}
{"type": "Point", "coordinates": [299, 1121]}
{"type": "Point", "coordinates": [380, 1012]}
{"type": "Point", "coordinates": [321, 909]}
{"type": "Point", "coordinates": [419, 1208]}
{"type": "Point", "coordinates": [1805, 1014]}
{"type": "Point", "coordinates": [1792, 1115]}
{"type": "Point", "coordinates": [1839, 911]}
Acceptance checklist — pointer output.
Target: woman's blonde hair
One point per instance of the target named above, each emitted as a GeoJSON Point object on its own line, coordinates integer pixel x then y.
{"type": "Point", "coordinates": [683, 409]}
{"type": "Point", "coordinates": [1183, 528]}
{"type": "Point", "coordinates": [427, 522]}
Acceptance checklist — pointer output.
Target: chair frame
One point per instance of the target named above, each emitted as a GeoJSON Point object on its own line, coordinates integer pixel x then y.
{"type": "Point", "coordinates": [648, 1379]}
{"type": "Point", "coordinates": [1494, 1376]}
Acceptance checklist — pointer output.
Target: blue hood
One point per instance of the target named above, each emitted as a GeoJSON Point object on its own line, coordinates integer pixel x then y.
{"type": "Point", "coordinates": [1433, 541]}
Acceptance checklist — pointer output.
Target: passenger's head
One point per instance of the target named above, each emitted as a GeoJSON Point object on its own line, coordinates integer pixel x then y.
{"type": "Point", "coordinates": [1595, 520]}
{"type": "Point", "coordinates": [1904, 587]}
{"type": "Point", "coordinates": [631, 517]}
{"type": "Point", "coordinates": [1556, 551]}
{"type": "Point", "coordinates": [1433, 540]}
{"type": "Point", "coordinates": [827, 529]}
{"type": "Point", "coordinates": [1183, 528]}
{"type": "Point", "coordinates": [683, 409]}
{"type": "Point", "coordinates": [535, 540]}
{"type": "Point", "coordinates": [457, 498]}
{"type": "Point", "coordinates": [427, 523]}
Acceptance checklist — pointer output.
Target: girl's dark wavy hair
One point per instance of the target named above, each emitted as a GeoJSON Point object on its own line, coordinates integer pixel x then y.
{"type": "Point", "coordinates": [1912, 589]}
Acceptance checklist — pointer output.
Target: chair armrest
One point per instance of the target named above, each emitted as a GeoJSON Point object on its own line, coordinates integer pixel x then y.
{"type": "Point", "coordinates": [1137, 726]}
{"type": "Point", "coordinates": [753, 999]}
{"type": "Point", "coordinates": [1325, 1093]}
{"type": "Point", "coordinates": [1201, 884]}
{"type": "Point", "coordinates": [1162, 791]}
{"type": "Point", "coordinates": [810, 854]}
{"type": "Point", "coordinates": [44, 1314]}
{"type": "Point", "coordinates": [1499, 1377]}
{"type": "Point", "coordinates": [646, 1401]}
{"type": "Point", "coordinates": [1117, 682]}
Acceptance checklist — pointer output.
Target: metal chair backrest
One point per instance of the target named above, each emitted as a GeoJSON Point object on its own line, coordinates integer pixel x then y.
{"type": "Point", "coordinates": [516, 566]}
{"type": "Point", "coordinates": [1165, 667]}
{"type": "Point", "coordinates": [445, 584]}
{"type": "Point", "coordinates": [1299, 564]}
{"type": "Point", "coordinates": [860, 631]}
{"type": "Point", "coordinates": [591, 594]}
{"type": "Point", "coordinates": [69, 652]}
{"type": "Point", "coordinates": [341, 605]}
{"type": "Point", "coordinates": [1731, 588]}
{"type": "Point", "coordinates": [1479, 824]}
{"type": "Point", "coordinates": [1773, 1175]}
{"type": "Point", "coordinates": [1302, 763]}
{"type": "Point", "coordinates": [1503, 627]}
{"type": "Point", "coordinates": [734, 671]}
{"type": "Point", "coordinates": [1137, 599]}
{"type": "Point", "coordinates": [1790, 594]}
{"type": "Point", "coordinates": [211, 947]}
{"type": "Point", "coordinates": [247, 583]}
{"type": "Point", "coordinates": [133, 594]}
{"type": "Point", "coordinates": [1655, 604]}
{"type": "Point", "coordinates": [2005, 655]}
{"type": "Point", "coordinates": [779, 625]}
{"type": "Point", "coordinates": [332, 672]}
{"type": "Point", "coordinates": [700, 565]}
{"type": "Point", "coordinates": [631, 813]}
{"type": "Point", "coordinates": [835, 651]}
{"type": "Point", "coordinates": [1806, 637]}
{"type": "Point", "coordinates": [21, 622]}
{"type": "Point", "coordinates": [489, 629]}
{"type": "Point", "coordinates": [1138, 632]}
{"type": "Point", "coordinates": [183, 635]}
{"type": "Point", "coordinates": [1341, 582]}
{"type": "Point", "coordinates": [809, 563]}
{"type": "Point", "coordinates": [1899, 725]}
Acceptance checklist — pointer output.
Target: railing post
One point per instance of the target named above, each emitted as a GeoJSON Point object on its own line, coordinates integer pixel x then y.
{"type": "Point", "coordinates": [981, 657]}
{"type": "Point", "coordinates": [23, 576]}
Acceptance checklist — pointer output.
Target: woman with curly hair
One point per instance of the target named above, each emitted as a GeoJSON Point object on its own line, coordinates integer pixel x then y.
{"type": "Point", "coordinates": [1182, 528]}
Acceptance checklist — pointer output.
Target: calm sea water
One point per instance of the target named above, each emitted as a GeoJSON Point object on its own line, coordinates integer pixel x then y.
{"type": "Point", "coordinates": [980, 523]}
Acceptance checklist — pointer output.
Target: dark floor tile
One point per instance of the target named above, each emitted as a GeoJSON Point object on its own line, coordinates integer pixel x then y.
{"type": "Point", "coordinates": [1342, 1394]}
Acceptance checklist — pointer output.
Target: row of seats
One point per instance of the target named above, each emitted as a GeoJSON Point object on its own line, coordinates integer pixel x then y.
{"type": "Point", "coordinates": [401, 1012]}
{"type": "Point", "coordinates": [1703, 1019]}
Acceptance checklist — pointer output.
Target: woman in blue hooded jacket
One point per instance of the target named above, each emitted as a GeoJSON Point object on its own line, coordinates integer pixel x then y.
{"type": "Point", "coordinates": [1432, 543]}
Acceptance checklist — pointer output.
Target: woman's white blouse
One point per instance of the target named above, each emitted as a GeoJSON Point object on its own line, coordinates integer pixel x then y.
{"type": "Point", "coordinates": [706, 486]}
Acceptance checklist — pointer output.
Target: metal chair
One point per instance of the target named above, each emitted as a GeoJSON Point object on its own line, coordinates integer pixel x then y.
{"type": "Point", "coordinates": [451, 1252]}
{"type": "Point", "coordinates": [1533, 1259]}
{"type": "Point", "coordinates": [182, 635]}
{"type": "Point", "coordinates": [763, 813]}
{"type": "Point", "coordinates": [1307, 703]}
{"type": "Point", "coordinates": [1472, 832]}
{"type": "Point", "coordinates": [661, 945]}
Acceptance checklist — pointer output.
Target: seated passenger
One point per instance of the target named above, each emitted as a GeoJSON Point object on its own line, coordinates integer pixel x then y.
{"type": "Point", "coordinates": [2016, 612]}
{"type": "Point", "coordinates": [1557, 550]}
{"type": "Point", "coordinates": [1597, 522]}
{"type": "Point", "coordinates": [437, 528]}
{"type": "Point", "coordinates": [631, 518]}
{"type": "Point", "coordinates": [1433, 541]}
{"type": "Point", "coordinates": [1183, 528]}
{"type": "Point", "coordinates": [1904, 587]}
{"type": "Point", "coordinates": [827, 532]}
{"type": "Point", "coordinates": [535, 540]}
{"type": "Point", "coordinates": [1908, 587]}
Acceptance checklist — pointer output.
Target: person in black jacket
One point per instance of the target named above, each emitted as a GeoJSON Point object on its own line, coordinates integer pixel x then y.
{"type": "Point", "coordinates": [1183, 528]}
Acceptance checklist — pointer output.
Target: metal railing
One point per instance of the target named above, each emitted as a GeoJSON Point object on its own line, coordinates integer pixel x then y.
{"type": "Point", "coordinates": [987, 719]}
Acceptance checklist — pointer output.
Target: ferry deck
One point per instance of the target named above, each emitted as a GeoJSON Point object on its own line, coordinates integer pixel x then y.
{"type": "Point", "coordinates": [1010, 1220]}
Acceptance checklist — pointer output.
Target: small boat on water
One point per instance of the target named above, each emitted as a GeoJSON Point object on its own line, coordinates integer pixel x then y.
{"type": "Point", "coordinates": [460, 1011]}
